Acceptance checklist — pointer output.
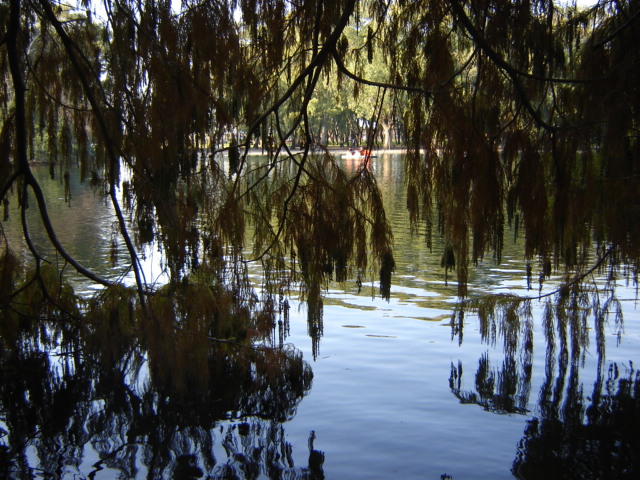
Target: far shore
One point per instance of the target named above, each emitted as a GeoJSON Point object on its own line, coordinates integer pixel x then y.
{"type": "Point", "coordinates": [334, 150]}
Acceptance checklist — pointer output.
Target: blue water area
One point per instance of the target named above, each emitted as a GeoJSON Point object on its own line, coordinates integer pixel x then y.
{"type": "Point", "coordinates": [405, 389]}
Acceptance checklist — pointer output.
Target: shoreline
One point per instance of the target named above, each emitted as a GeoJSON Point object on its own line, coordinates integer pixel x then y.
{"type": "Point", "coordinates": [333, 150]}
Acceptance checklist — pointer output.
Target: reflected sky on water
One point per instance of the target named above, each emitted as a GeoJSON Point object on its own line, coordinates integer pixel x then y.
{"type": "Point", "coordinates": [396, 392]}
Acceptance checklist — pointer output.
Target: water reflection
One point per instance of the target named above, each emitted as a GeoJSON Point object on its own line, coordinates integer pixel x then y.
{"type": "Point", "coordinates": [575, 432]}
{"type": "Point", "coordinates": [60, 399]}
{"type": "Point", "coordinates": [584, 436]}
{"type": "Point", "coordinates": [498, 391]}
{"type": "Point", "coordinates": [102, 400]}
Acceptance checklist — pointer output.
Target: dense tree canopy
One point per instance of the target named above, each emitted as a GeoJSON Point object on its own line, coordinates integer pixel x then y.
{"type": "Point", "coordinates": [517, 117]}
{"type": "Point", "coordinates": [521, 113]}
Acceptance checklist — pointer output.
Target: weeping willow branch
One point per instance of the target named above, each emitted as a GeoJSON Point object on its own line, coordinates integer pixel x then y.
{"type": "Point", "coordinates": [392, 86]}
{"type": "Point", "coordinates": [42, 206]}
{"type": "Point", "coordinates": [513, 72]}
{"type": "Point", "coordinates": [51, 97]}
{"type": "Point", "coordinates": [9, 183]}
{"type": "Point", "coordinates": [303, 117]}
{"type": "Point", "coordinates": [500, 62]}
{"type": "Point", "coordinates": [580, 277]}
{"type": "Point", "coordinates": [71, 48]}
{"type": "Point", "coordinates": [21, 141]}
{"type": "Point", "coordinates": [318, 60]}
{"type": "Point", "coordinates": [283, 145]}
{"type": "Point", "coordinates": [18, 85]}
{"type": "Point", "coordinates": [576, 280]}
{"type": "Point", "coordinates": [618, 30]}
{"type": "Point", "coordinates": [312, 73]}
{"type": "Point", "coordinates": [375, 120]}
{"type": "Point", "coordinates": [285, 206]}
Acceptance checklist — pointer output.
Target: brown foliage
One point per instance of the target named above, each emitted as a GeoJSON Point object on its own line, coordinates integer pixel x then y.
{"type": "Point", "coordinates": [522, 112]}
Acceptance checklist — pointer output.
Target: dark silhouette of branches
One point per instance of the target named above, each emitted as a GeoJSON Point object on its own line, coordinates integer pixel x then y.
{"type": "Point", "coordinates": [24, 169]}
{"type": "Point", "coordinates": [71, 49]}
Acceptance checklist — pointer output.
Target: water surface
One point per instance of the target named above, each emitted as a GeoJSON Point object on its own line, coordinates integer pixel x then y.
{"type": "Point", "coordinates": [397, 391]}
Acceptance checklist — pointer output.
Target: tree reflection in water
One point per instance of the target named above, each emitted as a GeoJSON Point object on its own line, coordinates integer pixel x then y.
{"type": "Point", "coordinates": [596, 436]}
{"type": "Point", "coordinates": [592, 434]}
{"type": "Point", "coordinates": [61, 396]}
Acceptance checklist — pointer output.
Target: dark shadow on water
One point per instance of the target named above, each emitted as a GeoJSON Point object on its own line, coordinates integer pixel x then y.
{"type": "Point", "coordinates": [62, 399]}
{"type": "Point", "coordinates": [575, 430]}
{"type": "Point", "coordinates": [585, 437]}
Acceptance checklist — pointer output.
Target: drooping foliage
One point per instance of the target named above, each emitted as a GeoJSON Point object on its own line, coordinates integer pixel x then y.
{"type": "Point", "coordinates": [521, 113]}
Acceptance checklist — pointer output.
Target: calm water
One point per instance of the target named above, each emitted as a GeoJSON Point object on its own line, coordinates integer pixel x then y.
{"type": "Point", "coordinates": [395, 393]}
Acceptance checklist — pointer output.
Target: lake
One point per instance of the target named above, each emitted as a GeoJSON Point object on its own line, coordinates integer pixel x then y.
{"type": "Point", "coordinates": [401, 389]}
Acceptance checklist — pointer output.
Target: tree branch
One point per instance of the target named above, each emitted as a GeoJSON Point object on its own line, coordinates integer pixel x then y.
{"type": "Point", "coordinates": [316, 61]}
{"type": "Point", "coordinates": [406, 88]}
{"type": "Point", "coordinates": [512, 73]}
{"type": "Point", "coordinates": [21, 140]}
{"type": "Point", "coordinates": [617, 31]}
{"type": "Point", "coordinates": [71, 48]}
